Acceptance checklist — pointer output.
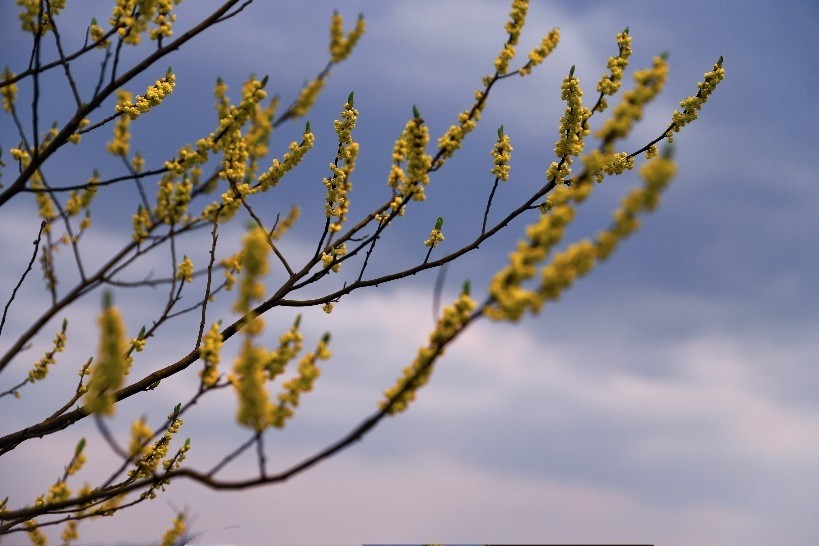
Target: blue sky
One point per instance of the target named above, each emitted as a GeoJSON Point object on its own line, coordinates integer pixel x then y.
{"type": "Point", "coordinates": [670, 397]}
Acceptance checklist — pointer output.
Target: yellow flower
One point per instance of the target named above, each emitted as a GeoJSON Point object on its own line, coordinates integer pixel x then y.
{"type": "Point", "coordinates": [539, 54]}
{"type": "Point", "coordinates": [154, 96]}
{"type": "Point", "coordinates": [209, 353]}
{"type": "Point", "coordinates": [691, 105]}
{"type": "Point", "coordinates": [435, 236]}
{"type": "Point", "coordinates": [418, 373]}
{"type": "Point", "coordinates": [501, 155]}
{"type": "Point", "coordinates": [610, 83]}
{"type": "Point", "coordinates": [8, 92]}
{"type": "Point", "coordinates": [292, 390]}
{"type": "Point", "coordinates": [108, 372]}
{"type": "Point", "coordinates": [122, 135]}
{"type": "Point", "coordinates": [341, 46]}
{"type": "Point", "coordinates": [185, 270]}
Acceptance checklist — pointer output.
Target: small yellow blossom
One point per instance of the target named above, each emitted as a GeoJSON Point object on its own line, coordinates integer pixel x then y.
{"type": "Point", "coordinates": [142, 224]}
{"type": "Point", "coordinates": [692, 105]}
{"type": "Point", "coordinates": [292, 390]}
{"type": "Point", "coordinates": [418, 373]}
{"type": "Point", "coordinates": [154, 96]}
{"type": "Point", "coordinates": [96, 32]}
{"type": "Point", "coordinates": [435, 236]}
{"type": "Point", "coordinates": [610, 83]}
{"type": "Point", "coordinates": [539, 54]}
{"type": "Point", "coordinates": [307, 96]}
{"type": "Point", "coordinates": [290, 344]}
{"type": "Point", "coordinates": [501, 155]}
{"type": "Point", "coordinates": [184, 272]}
{"type": "Point", "coordinates": [341, 46]}
{"type": "Point", "coordinates": [41, 366]}
{"type": "Point", "coordinates": [33, 14]}
{"type": "Point", "coordinates": [285, 224]}
{"type": "Point", "coordinates": [8, 92]}
{"type": "Point", "coordinates": [209, 353]}
{"type": "Point", "coordinates": [108, 372]}
{"type": "Point", "coordinates": [176, 532]}
{"type": "Point", "coordinates": [649, 82]}
{"type": "Point", "coordinates": [122, 135]}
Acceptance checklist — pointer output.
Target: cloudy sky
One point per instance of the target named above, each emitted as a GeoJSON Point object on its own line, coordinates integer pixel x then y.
{"type": "Point", "coordinates": [670, 397]}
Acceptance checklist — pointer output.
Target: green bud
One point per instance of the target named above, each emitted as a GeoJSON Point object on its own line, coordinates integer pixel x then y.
{"type": "Point", "coordinates": [719, 62]}
{"type": "Point", "coordinates": [415, 112]}
{"type": "Point", "coordinates": [500, 132]}
{"type": "Point", "coordinates": [571, 72]}
{"type": "Point", "coordinates": [326, 338]}
{"type": "Point", "coordinates": [307, 128]}
{"type": "Point", "coordinates": [350, 99]}
{"type": "Point", "coordinates": [107, 300]}
{"type": "Point", "coordinates": [80, 447]}
{"type": "Point", "coordinates": [467, 288]}
{"type": "Point", "coordinates": [439, 222]}
{"type": "Point", "coordinates": [297, 322]}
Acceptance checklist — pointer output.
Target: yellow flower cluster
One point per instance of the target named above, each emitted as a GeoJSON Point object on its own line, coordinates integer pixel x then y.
{"type": "Point", "coordinates": [154, 96]}
{"type": "Point", "coordinates": [110, 367]}
{"type": "Point", "coordinates": [122, 134]}
{"type": "Point", "coordinates": [284, 225]}
{"type": "Point", "coordinates": [152, 455]}
{"type": "Point", "coordinates": [209, 353]}
{"type": "Point", "coordinates": [691, 105]}
{"type": "Point", "coordinates": [572, 129]}
{"type": "Point", "coordinates": [292, 158]}
{"type": "Point", "coordinates": [35, 534]}
{"type": "Point", "coordinates": [132, 18]}
{"type": "Point", "coordinates": [184, 271]}
{"type": "Point", "coordinates": [648, 84]}
{"type": "Point", "coordinates": [339, 185]}
{"type": "Point", "coordinates": [539, 54]}
{"type": "Point", "coordinates": [33, 13]}
{"type": "Point", "coordinates": [341, 46]}
{"type": "Point", "coordinates": [501, 156]}
{"type": "Point", "coordinates": [334, 254]}
{"type": "Point", "coordinates": [8, 92]}
{"type": "Point", "coordinates": [435, 236]}
{"type": "Point", "coordinates": [307, 97]}
{"type": "Point", "coordinates": [162, 18]}
{"type": "Point", "coordinates": [656, 173]}
{"type": "Point", "coordinates": [75, 138]}
{"type": "Point", "coordinates": [96, 32]}
{"type": "Point", "coordinates": [172, 199]}
{"type": "Point", "coordinates": [610, 83]}
{"type": "Point", "coordinates": [82, 200]}
{"type": "Point", "coordinates": [141, 432]}
{"type": "Point", "coordinates": [417, 374]}
{"type": "Point", "coordinates": [418, 161]}
{"type": "Point", "coordinates": [290, 344]}
{"type": "Point", "coordinates": [452, 139]}
{"type": "Point", "coordinates": [511, 300]}
{"type": "Point", "coordinates": [303, 382]}
{"type": "Point", "coordinates": [517, 18]}
{"type": "Point", "coordinates": [142, 224]}
{"type": "Point", "coordinates": [248, 369]}
{"type": "Point", "coordinates": [176, 532]}
{"type": "Point", "coordinates": [41, 366]}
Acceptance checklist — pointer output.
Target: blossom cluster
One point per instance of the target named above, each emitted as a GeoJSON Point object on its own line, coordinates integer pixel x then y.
{"type": "Point", "coordinates": [111, 364]}
{"type": "Point", "coordinates": [338, 185]}
{"type": "Point", "coordinates": [501, 156]}
{"type": "Point", "coordinates": [417, 374]}
{"type": "Point", "coordinates": [40, 369]}
{"type": "Point", "coordinates": [691, 105]}
{"type": "Point", "coordinates": [292, 389]}
{"type": "Point", "coordinates": [539, 54]}
{"type": "Point", "coordinates": [34, 14]}
{"type": "Point", "coordinates": [341, 46]}
{"type": "Point", "coordinates": [154, 96]}
{"type": "Point", "coordinates": [648, 84]}
{"type": "Point", "coordinates": [572, 129]}
{"type": "Point", "coordinates": [609, 84]}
